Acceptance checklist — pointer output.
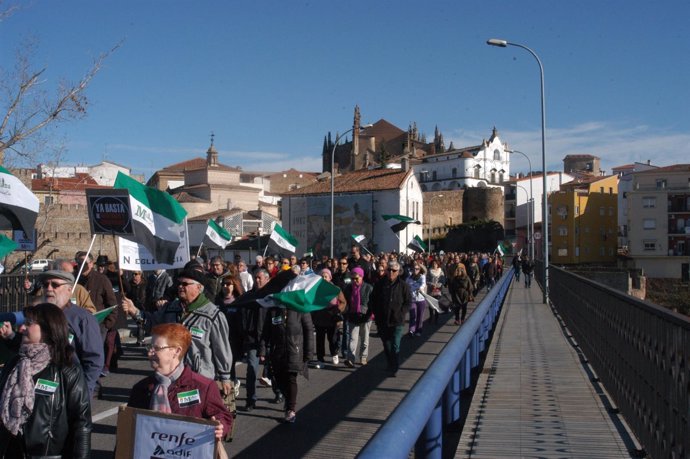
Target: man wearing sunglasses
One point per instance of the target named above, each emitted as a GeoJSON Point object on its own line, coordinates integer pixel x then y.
{"type": "Point", "coordinates": [390, 301]}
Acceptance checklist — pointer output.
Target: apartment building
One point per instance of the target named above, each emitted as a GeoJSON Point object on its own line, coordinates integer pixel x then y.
{"type": "Point", "coordinates": [659, 221]}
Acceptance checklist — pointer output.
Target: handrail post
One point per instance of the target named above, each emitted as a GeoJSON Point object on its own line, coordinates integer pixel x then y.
{"type": "Point", "coordinates": [430, 442]}
{"type": "Point", "coordinates": [451, 398]}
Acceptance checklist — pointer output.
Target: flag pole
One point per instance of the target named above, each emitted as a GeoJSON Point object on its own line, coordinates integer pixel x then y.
{"type": "Point", "coordinates": [119, 274]}
{"type": "Point", "coordinates": [198, 252]}
{"type": "Point", "coordinates": [26, 275]}
{"type": "Point", "coordinates": [81, 268]}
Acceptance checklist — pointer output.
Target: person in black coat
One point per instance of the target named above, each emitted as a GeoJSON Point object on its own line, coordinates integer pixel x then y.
{"type": "Point", "coordinates": [390, 302]}
{"type": "Point", "coordinates": [288, 337]}
{"type": "Point", "coordinates": [45, 406]}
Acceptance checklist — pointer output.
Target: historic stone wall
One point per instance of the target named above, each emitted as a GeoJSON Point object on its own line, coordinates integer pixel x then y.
{"type": "Point", "coordinates": [483, 204]}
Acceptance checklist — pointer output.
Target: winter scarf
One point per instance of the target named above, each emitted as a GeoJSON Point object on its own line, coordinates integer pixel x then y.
{"type": "Point", "coordinates": [17, 402]}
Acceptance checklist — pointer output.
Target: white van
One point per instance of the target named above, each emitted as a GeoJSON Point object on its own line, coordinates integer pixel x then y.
{"type": "Point", "coordinates": [39, 265]}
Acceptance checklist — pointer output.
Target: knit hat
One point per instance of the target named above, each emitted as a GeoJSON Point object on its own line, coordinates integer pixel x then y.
{"type": "Point", "coordinates": [192, 274]}
{"type": "Point", "coordinates": [358, 271]}
{"type": "Point", "coordinates": [326, 270]}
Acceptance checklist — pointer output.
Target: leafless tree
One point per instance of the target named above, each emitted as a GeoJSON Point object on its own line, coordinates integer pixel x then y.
{"type": "Point", "coordinates": [28, 108]}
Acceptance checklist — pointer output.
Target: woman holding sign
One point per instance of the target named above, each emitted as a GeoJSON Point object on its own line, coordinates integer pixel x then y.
{"type": "Point", "coordinates": [44, 401]}
{"type": "Point", "coordinates": [174, 387]}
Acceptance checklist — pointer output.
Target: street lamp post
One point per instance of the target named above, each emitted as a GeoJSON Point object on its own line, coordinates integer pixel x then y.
{"type": "Point", "coordinates": [430, 216]}
{"type": "Point", "coordinates": [544, 210]}
{"type": "Point", "coordinates": [531, 204]}
{"type": "Point", "coordinates": [530, 221]}
{"type": "Point", "coordinates": [335, 145]}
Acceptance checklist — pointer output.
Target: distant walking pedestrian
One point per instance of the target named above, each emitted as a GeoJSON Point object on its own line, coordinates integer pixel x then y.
{"type": "Point", "coordinates": [527, 269]}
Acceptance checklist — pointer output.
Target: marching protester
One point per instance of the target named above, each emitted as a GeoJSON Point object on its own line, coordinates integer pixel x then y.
{"type": "Point", "coordinates": [417, 283]}
{"type": "Point", "coordinates": [288, 340]}
{"type": "Point", "coordinates": [358, 316]}
{"type": "Point", "coordinates": [231, 290]}
{"type": "Point", "coordinates": [101, 291]}
{"type": "Point", "coordinates": [461, 292]}
{"type": "Point", "coordinates": [161, 391]}
{"type": "Point", "coordinates": [436, 279]}
{"type": "Point", "coordinates": [391, 298]}
{"type": "Point", "coordinates": [45, 408]}
{"type": "Point", "coordinates": [326, 322]}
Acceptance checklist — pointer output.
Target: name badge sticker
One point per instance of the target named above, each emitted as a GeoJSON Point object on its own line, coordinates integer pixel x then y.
{"type": "Point", "coordinates": [45, 387]}
{"type": "Point", "coordinates": [189, 398]}
{"type": "Point", "coordinates": [197, 332]}
{"type": "Point", "coordinates": [277, 320]}
{"type": "Point", "coordinates": [70, 338]}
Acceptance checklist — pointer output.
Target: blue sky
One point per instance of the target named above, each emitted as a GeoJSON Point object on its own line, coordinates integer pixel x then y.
{"type": "Point", "coordinates": [271, 78]}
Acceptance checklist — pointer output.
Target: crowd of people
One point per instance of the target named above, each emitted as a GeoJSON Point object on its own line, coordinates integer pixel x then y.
{"type": "Point", "coordinates": [199, 323]}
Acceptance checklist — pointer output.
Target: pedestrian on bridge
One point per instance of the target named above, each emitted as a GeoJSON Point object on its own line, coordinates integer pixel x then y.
{"type": "Point", "coordinates": [391, 301]}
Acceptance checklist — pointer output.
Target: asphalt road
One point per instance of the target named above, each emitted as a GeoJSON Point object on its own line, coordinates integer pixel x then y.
{"type": "Point", "coordinates": [323, 397]}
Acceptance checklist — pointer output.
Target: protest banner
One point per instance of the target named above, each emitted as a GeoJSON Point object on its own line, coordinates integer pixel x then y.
{"type": "Point", "coordinates": [155, 435]}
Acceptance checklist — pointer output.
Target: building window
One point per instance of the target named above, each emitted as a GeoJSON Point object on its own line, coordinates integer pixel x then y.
{"type": "Point", "coordinates": [660, 184]}
{"type": "Point", "coordinates": [649, 245]}
{"type": "Point", "coordinates": [562, 252]}
{"type": "Point", "coordinates": [493, 175]}
{"type": "Point", "coordinates": [476, 171]}
{"type": "Point", "coordinates": [601, 189]}
{"type": "Point", "coordinates": [610, 211]}
{"type": "Point", "coordinates": [649, 202]}
{"type": "Point", "coordinates": [577, 251]}
{"type": "Point", "coordinates": [602, 211]}
{"type": "Point", "coordinates": [649, 223]}
{"type": "Point", "coordinates": [577, 210]}
{"type": "Point", "coordinates": [48, 200]}
{"type": "Point", "coordinates": [433, 175]}
{"type": "Point", "coordinates": [577, 230]}
{"type": "Point", "coordinates": [610, 190]}
{"type": "Point", "coordinates": [497, 155]}
{"type": "Point", "coordinates": [455, 172]}
{"type": "Point", "coordinates": [562, 230]}
{"type": "Point", "coordinates": [602, 251]}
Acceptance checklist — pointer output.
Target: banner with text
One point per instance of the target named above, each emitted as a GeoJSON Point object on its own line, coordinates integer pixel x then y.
{"type": "Point", "coordinates": [136, 257]}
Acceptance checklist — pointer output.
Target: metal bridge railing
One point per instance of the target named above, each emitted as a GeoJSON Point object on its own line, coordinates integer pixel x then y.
{"type": "Point", "coordinates": [434, 401]}
{"type": "Point", "coordinates": [641, 354]}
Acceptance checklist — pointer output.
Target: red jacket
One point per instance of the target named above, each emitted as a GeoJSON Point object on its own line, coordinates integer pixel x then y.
{"type": "Point", "coordinates": [209, 404]}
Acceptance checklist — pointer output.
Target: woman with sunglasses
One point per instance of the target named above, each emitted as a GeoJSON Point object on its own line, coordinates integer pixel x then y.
{"type": "Point", "coordinates": [417, 284]}
{"type": "Point", "coordinates": [231, 289]}
{"type": "Point", "coordinates": [45, 409]}
{"type": "Point", "coordinates": [163, 390]}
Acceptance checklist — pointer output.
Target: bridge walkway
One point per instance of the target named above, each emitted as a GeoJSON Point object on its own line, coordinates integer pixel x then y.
{"type": "Point", "coordinates": [534, 397]}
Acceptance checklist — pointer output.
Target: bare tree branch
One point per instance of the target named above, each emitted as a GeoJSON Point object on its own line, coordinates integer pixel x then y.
{"type": "Point", "coordinates": [29, 110]}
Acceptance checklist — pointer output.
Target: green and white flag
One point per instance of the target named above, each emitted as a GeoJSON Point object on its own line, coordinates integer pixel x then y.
{"type": "Point", "coordinates": [358, 238]}
{"type": "Point", "coordinates": [18, 205]}
{"type": "Point", "coordinates": [158, 219]}
{"type": "Point", "coordinates": [304, 293]}
{"type": "Point", "coordinates": [7, 245]}
{"type": "Point", "coordinates": [500, 249]}
{"type": "Point", "coordinates": [398, 223]}
{"type": "Point", "coordinates": [283, 239]}
{"type": "Point", "coordinates": [417, 244]}
{"type": "Point", "coordinates": [217, 235]}
{"type": "Point", "coordinates": [308, 253]}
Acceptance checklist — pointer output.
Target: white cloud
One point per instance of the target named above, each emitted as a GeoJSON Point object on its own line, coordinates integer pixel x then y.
{"type": "Point", "coordinates": [613, 143]}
